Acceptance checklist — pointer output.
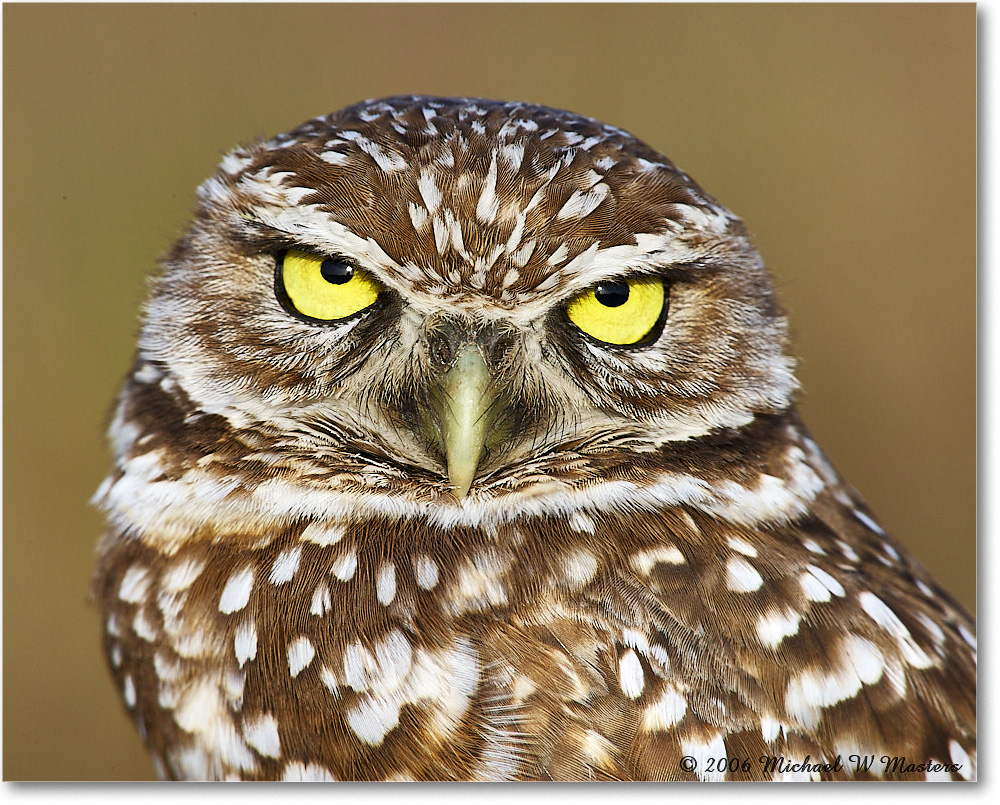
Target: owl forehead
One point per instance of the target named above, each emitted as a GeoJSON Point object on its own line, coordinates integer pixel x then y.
{"type": "Point", "coordinates": [460, 197]}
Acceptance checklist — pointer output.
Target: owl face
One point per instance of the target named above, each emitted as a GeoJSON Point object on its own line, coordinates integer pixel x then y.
{"type": "Point", "coordinates": [440, 298]}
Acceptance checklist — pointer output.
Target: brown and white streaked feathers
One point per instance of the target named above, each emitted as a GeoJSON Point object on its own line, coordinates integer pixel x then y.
{"type": "Point", "coordinates": [649, 558]}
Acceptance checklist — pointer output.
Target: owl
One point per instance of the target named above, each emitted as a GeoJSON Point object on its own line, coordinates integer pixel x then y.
{"type": "Point", "coordinates": [460, 443]}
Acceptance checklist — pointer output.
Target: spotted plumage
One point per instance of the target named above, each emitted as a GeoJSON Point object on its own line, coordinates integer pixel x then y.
{"type": "Point", "coordinates": [492, 522]}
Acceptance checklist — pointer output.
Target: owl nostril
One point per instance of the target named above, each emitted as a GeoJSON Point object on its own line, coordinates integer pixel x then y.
{"type": "Point", "coordinates": [443, 342]}
{"type": "Point", "coordinates": [440, 351]}
{"type": "Point", "coordinates": [496, 346]}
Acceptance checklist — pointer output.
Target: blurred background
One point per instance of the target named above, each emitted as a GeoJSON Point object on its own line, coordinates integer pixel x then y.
{"type": "Point", "coordinates": [844, 135]}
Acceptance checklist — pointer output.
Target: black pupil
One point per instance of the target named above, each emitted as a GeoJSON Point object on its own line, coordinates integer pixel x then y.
{"type": "Point", "coordinates": [612, 294]}
{"type": "Point", "coordinates": [336, 272]}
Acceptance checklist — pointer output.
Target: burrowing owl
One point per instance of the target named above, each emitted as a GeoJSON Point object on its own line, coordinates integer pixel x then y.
{"type": "Point", "coordinates": [460, 443]}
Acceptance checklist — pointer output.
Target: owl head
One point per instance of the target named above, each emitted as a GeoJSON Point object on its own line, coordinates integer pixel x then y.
{"type": "Point", "coordinates": [454, 299]}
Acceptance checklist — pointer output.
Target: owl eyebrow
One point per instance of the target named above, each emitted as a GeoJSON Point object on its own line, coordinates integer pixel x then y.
{"type": "Point", "coordinates": [670, 272]}
{"type": "Point", "coordinates": [259, 236]}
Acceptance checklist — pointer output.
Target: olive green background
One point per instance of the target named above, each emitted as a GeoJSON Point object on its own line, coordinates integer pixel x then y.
{"type": "Point", "coordinates": [844, 135]}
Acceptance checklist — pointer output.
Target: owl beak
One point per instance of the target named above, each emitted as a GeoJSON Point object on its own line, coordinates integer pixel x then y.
{"type": "Point", "coordinates": [463, 411]}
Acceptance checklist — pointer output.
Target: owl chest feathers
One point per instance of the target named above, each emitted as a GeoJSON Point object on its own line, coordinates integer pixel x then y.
{"type": "Point", "coordinates": [259, 636]}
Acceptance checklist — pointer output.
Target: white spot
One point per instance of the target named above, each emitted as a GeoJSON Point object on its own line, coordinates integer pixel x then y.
{"type": "Point", "coordinates": [480, 583]}
{"type": "Point", "coordinates": [559, 255]}
{"type": "Point", "coordinates": [848, 551]}
{"type": "Point", "coordinates": [128, 690]}
{"type": "Point", "coordinates": [116, 655]}
{"type": "Point", "coordinates": [321, 602]}
{"type": "Point", "coordinates": [147, 373]}
{"type": "Point", "coordinates": [579, 567]}
{"type": "Point", "coordinates": [892, 552]}
{"type": "Point", "coordinates": [429, 191]}
{"type": "Point", "coordinates": [171, 607]}
{"type": "Point", "coordinates": [454, 227]}
{"type": "Point", "coordinates": [645, 561]}
{"type": "Point", "coordinates": [182, 575]}
{"type": "Point", "coordinates": [741, 576]}
{"type": "Point", "coordinates": [335, 157]}
{"type": "Point", "coordinates": [770, 728]}
{"type": "Point", "coordinates": [193, 641]}
{"type": "Point", "coordinates": [665, 712]}
{"type": "Point", "coordinates": [233, 683]}
{"type": "Point", "coordinates": [388, 161]}
{"type": "Point", "coordinates": [418, 216]}
{"type": "Point", "coordinates": [236, 593]}
{"type": "Point", "coordinates": [284, 567]}
{"type": "Point", "coordinates": [967, 636]}
{"type": "Point", "coordinates": [879, 612]}
{"type": "Point", "coordinates": [912, 653]}
{"type": "Point", "coordinates": [446, 159]}
{"type": "Point", "coordinates": [581, 204]}
{"type": "Point", "coordinates": [635, 639]}
{"type": "Point", "coordinates": [824, 579]}
{"type": "Point", "coordinates": [706, 757]}
{"type": "Point", "coordinates": [245, 642]}
{"type": "Point", "coordinates": [935, 632]}
{"type": "Point", "coordinates": [299, 772]}
{"type": "Point", "coordinates": [771, 499]}
{"type": "Point", "coordinates": [358, 665]}
{"type": "Point", "coordinates": [385, 583]}
{"type": "Point", "coordinates": [262, 734]}
{"type": "Point", "coordinates": [776, 626]}
{"type": "Point", "coordinates": [488, 206]}
{"type": "Point", "coordinates": [394, 656]}
{"type": "Point", "coordinates": [322, 533]}
{"type": "Point", "coordinates": [630, 675]}
{"type": "Point", "coordinates": [425, 570]}
{"type": "Point", "coordinates": [166, 671]}
{"type": "Point", "coordinates": [514, 154]}
{"type": "Point", "coordinates": [345, 566]}
{"type": "Point", "coordinates": [387, 666]}
{"type": "Point", "coordinates": [860, 662]}
{"type": "Point", "coordinates": [579, 521]}
{"type": "Point", "coordinates": [813, 588]}
{"type": "Point", "coordinates": [521, 256]}
{"type": "Point", "coordinates": [868, 522]}
{"type": "Point", "coordinates": [372, 719]}
{"type": "Point", "coordinates": [329, 678]}
{"type": "Point", "coordinates": [812, 546]}
{"type": "Point", "coordinates": [659, 653]}
{"type": "Point", "coordinates": [510, 277]}
{"type": "Point", "coordinates": [961, 758]}
{"type": "Point", "coordinates": [191, 761]}
{"type": "Point", "coordinates": [300, 654]}
{"type": "Point", "coordinates": [740, 545]}
{"type": "Point", "coordinates": [863, 655]}
{"type": "Point", "coordinates": [135, 585]}
{"type": "Point", "coordinates": [440, 234]}
{"type": "Point", "coordinates": [597, 749]}
{"type": "Point", "coordinates": [113, 627]}
{"type": "Point", "coordinates": [142, 627]}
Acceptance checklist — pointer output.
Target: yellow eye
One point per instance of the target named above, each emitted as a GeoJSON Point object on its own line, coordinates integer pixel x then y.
{"type": "Point", "coordinates": [623, 312]}
{"type": "Point", "coordinates": [325, 288]}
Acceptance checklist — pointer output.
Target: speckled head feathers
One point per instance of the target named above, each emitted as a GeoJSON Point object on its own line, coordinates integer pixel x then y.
{"type": "Point", "coordinates": [472, 195]}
